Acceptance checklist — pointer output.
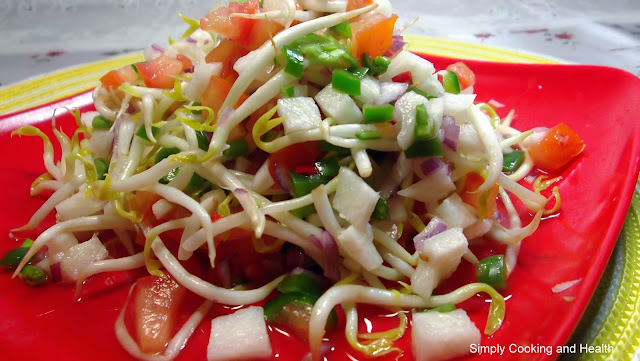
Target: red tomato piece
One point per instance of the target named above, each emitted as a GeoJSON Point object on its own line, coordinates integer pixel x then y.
{"type": "Point", "coordinates": [235, 28]}
{"type": "Point", "coordinates": [262, 31]}
{"type": "Point", "coordinates": [295, 155]}
{"type": "Point", "coordinates": [466, 77]}
{"type": "Point", "coordinates": [357, 4]}
{"type": "Point", "coordinates": [556, 149]}
{"type": "Point", "coordinates": [227, 52]}
{"type": "Point", "coordinates": [403, 78]}
{"type": "Point", "coordinates": [216, 92]}
{"type": "Point", "coordinates": [114, 78]}
{"type": "Point", "coordinates": [160, 72]}
{"type": "Point", "coordinates": [486, 202]}
{"type": "Point", "coordinates": [372, 34]}
{"type": "Point", "coordinates": [154, 306]}
{"type": "Point", "coordinates": [186, 62]}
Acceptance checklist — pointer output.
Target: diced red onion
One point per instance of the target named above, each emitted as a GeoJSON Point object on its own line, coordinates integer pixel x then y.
{"type": "Point", "coordinates": [224, 272]}
{"type": "Point", "coordinates": [315, 241]}
{"type": "Point", "coordinates": [390, 92]}
{"type": "Point", "coordinates": [435, 226]}
{"type": "Point", "coordinates": [397, 44]}
{"type": "Point", "coordinates": [531, 177]}
{"type": "Point", "coordinates": [282, 178]}
{"type": "Point", "coordinates": [132, 109]}
{"type": "Point", "coordinates": [330, 255]}
{"type": "Point", "coordinates": [157, 47]}
{"type": "Point", "coordinates": [191, 40]}
{"type": "Point", "coordinates": [432, 164]}
{"type": "Point", "coordinates": [226, 113]}
{"type": "Point", "coordinates": [189, 70]}
{"type": "Point", "coordinates": [498, 216]}
{"type": "Point", "coordinates": [451, 132]}
{"type": "Point", "coordinates": [56, 272]}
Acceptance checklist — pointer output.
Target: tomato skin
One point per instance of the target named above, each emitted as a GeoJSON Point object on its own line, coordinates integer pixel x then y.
{"type": "Point", "coordinates": [372, 34]}
{"type": "Point", "coordinates": [160, 72]}
{"type": "Point", "coordinates": [357, 4]}
{"type": "Point", "coordinates": [466, 77]}
{"type": "Point", "coordinates": [235, 28]}
{"type": "Point", "coordinates": [153, 309]}
{"type": "Point", "coordinates": [293, 156]}
{"type": "Point", "coordinates": [486, 202]}
{"type": "Point", "coordinates": [216, 92]}
{"type": "Point", "coordinates": [186, 62]}
{"type": "Point", "coordinates": [114, 78]}
{"type": "Point", "coordinates": [556, 149]}
{"type": "Point", "coordinates": [227, 52]}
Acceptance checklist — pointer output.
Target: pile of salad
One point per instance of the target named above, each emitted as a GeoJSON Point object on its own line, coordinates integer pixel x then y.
{"type": "Point", "coordinates": [290, 157]}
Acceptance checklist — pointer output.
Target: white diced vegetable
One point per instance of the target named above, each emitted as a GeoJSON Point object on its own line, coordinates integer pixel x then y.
{"type": "Point", "coordinates": [202, 73]}
{"type": "Point", "coordinates": [433, 187]}
{"type": "Point", "coordinates": [369, 90]}
{"type": "Point", "coordinates": [455, 212]}
{"type": "Point", "coordinates": [421, 69]}
{"type": "Point", "coordinates": [432, 86]}
{"type": "Point", "coordinates": [161, 208]}
{"type": "Point", "coordinates": [86, 118]}
{"type": "Point", "coordinates": [435, 109]}
{"type": "Point", "coordinates": [424, 280]}
{"type": "Point", "coordinates": [338, 105]}
{"type": "Point", "coordinates": [454, 104]}
{"type": "Point", "coordinates": [325, 6]}
{"type": "Point", "coordinates": [390, 92]}
{"type": "Point", "coordinates": [444, 251]}
{"type": "Point", "coordinates": [354, 200]}
{"type": "Point", "coordinates": [239, 336]}
{"type": "Point", "coordinates": [78, 205]}
{"type": "Point", "coordinates": [442, 335]}
{"type": "Point", "coordinates": [358, 244]}
{"type": "Point", "coordinates": [100, 143]}
{"type": "Point", "coordinates": [300, 114]}
{"type": "Point", "coordinates": [384, 7]}
{"type": "Point", "coordinates": [404, 113]}
{"type": "Point", "coordinates": [80, 256]}
{"type": "Point", "coordinates": [469, 143]}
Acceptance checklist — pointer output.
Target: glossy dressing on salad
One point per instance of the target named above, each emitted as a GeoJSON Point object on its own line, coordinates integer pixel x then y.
{"type": "Point", "coordinates": [293, 159]}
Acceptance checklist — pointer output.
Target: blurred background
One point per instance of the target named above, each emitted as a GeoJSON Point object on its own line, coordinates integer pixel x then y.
{"type": "Point", "coordinates": [39, 36]}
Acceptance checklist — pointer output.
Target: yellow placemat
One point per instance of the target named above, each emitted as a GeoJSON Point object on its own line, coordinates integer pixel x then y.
{"type": "Point", "coordinates": [621, 325]}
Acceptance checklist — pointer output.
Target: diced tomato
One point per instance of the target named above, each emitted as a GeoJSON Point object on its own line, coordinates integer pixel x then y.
{"type": "Point", "coordinates": [466, 77]}
{"type": "Point", "coordinates": [235, 28]}
{"type": "Point", "coordinates": [262, 31]}
{"type": "Point", "coordinates": [556, 149]}
{"type": "Point", "coordinates": [295, 155]}
{"type": "Point", "coordinates": [186, 62]}
{"type": "Point", "coordinates": [216, 92]}
{"type": "Point", "coordinates": [141, 204]}
{"type": "Point", "coordinates": [403, 78]}
{"type": "Point", "coordinates": [357, 4]}
{"type": "Point", "coordinates": [160, 72]}
{"type": "Point", "coordinates": [306, 169]}
{"type": "Point", "coordinates": [485, 202]}
{"type": "Point", "coordinates": [227, 52]}
{"type": "Point", "coordinates": [114, 78]}
{"type": "Point", "coordinates": [153, 310]}
{"type": "Point", "coordinates": [372, 34]}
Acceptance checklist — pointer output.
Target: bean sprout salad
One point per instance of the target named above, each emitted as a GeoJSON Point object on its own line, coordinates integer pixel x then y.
{"type": "Point", "coordinates": [292, 157]}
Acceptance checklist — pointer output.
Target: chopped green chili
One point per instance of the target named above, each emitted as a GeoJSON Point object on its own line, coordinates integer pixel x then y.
{"type": "Point", "coordinates": [294, 61]}
{"type": "Point", "coordinates": [368, 135]}
{"type": "Point", "coordinates": [346, 82]}
{"type": "Point", "coordinates": [302, 283]}
{"type": "Point", "coordinates": [512, 161]}
{"type": "Point", "coordinates": [424, 127]}
{"type": "Point", "coordinates": [100, 122]}
{"type": "Point", "coordinates": [381, 211]}
{"type": "Point", "coordinates": [237, 148]}
{"type": "Point", "coordinates": [377, 113]}
{"type": "Point", "coordinates": [450, 82]}
{"type": "Point", "coordinates": [424, 148]}
{"type": "Point", "coordinates": [376, 66]}
{"type": "Point", "coordinates": [492, 270]}
{"type": "Point", "coordinates": [33, 275]}
{"type": "Point", "coordinates": [142, 132]}
{"type": "Point", "coordinates": [343, 29]}
{"type": "Point", "coordinates": [102, 167]}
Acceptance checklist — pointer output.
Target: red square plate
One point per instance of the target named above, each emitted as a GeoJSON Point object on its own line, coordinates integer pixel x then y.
{"type": "Point", "coordinates": [600, 104]}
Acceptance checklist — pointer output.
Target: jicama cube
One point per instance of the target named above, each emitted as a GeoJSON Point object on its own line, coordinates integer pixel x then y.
{"type": "Point", "coordinates": [301, 114]}
{"type": "Point", "coordinates": [338, 105]}
{"type": "Point", "coordinates": [455, 212]}
{"type": "Point", "coordinates": [239, 336]}
{"type": "Point", "coordinates": [354, 200]}
{"type": "Point", "coordinates": [80, 256]}
{"type": "Point", "coordinates": [469, 143]}
{"type": "Point", "coordinates": [358, 244]}
{"type": "Point", "coordinates": [369, 90]}
{"type": "Point", "coordinates": [444, 251]}
{"type": "Point", "coordinates": [441, 336]}
{"type": "Point", "coordinates": [455, 104]}
{"type": "Point", "coordinates": [433, 187]}
{"type": "Point", "coordinates": [424, 280]}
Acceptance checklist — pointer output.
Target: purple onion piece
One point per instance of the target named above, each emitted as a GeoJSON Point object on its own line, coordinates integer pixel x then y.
{"type": "Point", "coordinates": [56, 272]}
{"type": "Point", "coordinates": [294, 257]}
{"type": "Point", "coordinates": [447, 120]}
{"type": "Point", "coordinates": [283, 179]}
{"type": "Point", "coordinates": [396, 45]}
{"type": "Point", "coordinates": [431, 165]}
{"type": "Point", "coordinates": [189, 70]}
{"type": "Point", "coordinates": [157, 47]}
{"type": "Point", "coordinates": [224, 272]}
{"type": "Point", "coordinates": [315, 241]}
{"type": "Point", "coordinates": [131, 109]}
{"type": "Point", "coordinates": [225, 115]}
{"type": "Point", "coordinates": [191, 40]}
{"type": "Point", "coordinates": [330, 255]}
{"type": "Point", "coordinates": [435, 226]}
{"type": "Point", "coordinates": [498, 216]}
